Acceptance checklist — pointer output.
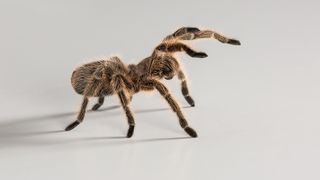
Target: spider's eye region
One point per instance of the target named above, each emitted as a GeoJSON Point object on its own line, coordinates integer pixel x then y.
{"type": "Point", "coordinates": [166, 69]}
{"type": "Point", "coordinates": [161, 47]}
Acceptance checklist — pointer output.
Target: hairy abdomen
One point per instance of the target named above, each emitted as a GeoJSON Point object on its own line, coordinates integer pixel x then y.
{"type": "Point", "coordinates": [81, 76]}
{"type": "Point", "coordinates": [93, 79]}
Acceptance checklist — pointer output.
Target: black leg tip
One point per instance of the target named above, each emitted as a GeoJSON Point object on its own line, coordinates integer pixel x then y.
{"type": "Point", "coordinates": [96, 107]}
{"type": "Point", "coordinates": [130, 131]}
{"type": "Point", "coordinates": [190, 101]}
{"type": "Point", "coordinates": [191, 132]}
{"type": "Point", "coordinates": [192, 29]}
{"type": "Point", "coordinates": [234, 42]}
{"type": "Point", "coordinates": [72, 126]}
{"type": "Point", "coordinates": [200, 55]}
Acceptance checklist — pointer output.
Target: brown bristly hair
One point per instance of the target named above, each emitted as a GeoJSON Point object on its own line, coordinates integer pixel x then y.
{"type": "Point", "coordinates": [111, 76]}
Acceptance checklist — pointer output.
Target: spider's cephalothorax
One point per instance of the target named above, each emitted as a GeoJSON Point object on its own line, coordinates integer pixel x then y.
{"type": "Point", "coordinates": [110, 76]}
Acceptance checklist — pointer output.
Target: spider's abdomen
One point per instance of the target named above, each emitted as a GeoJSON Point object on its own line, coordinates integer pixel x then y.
{"type": "Point", "coordinates": [95, 77]}
{"type": "Point", "coordinates": [82, 75]}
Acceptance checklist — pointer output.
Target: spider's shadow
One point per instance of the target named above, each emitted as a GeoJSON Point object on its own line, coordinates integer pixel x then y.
{"type": "Point", "coordinates": [14, 121]}
{"type": "Point", "coordinates": [29, 126]}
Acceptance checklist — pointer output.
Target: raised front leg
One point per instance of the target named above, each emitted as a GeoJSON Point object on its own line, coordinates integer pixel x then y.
{"type": "Point", "coordinates": [178, 47]}
{"type": "Point", "coordinates": [184, 88]}
{"type": "Point", "coordinates": [183, 33]}
{"type": "Point", "coordinates": [191, 33]}
{"type": "Point", "coordinates": [80, 115]}
{"type": "Point", "coordinates": [185, 30]}
{"type": "Point", "coordinates": [149, 84]}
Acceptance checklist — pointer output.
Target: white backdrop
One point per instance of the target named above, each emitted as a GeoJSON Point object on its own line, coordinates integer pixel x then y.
{"type": "Point", "coordinates": [257, 105]}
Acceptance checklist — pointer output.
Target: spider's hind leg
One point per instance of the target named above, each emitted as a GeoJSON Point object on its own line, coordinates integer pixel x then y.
{"type": "Point", "coordinates": [80, 115]}
{"type": "Point", "coordinates": [98, 104]}
{"type": "Point", "coordinates": [89, 89]}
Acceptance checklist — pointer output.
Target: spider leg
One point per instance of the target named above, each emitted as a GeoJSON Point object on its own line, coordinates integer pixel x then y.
{"type": "Point", "coordinates": [184, 30]}
{"type": "Point", "coordinates": [218, 36]}
{"type": "Point", "coordinates": [184, 88]}
{"type": "Point", "coordinates": [183, 33]}
{"type": "Point", "coordinates": [128, 84]}
{"type": "Point", "coordinates": [98, 104]}
{"type": "Point", "coordinates": [178, 47]}
{"type": "Point", "coordinates": [90, 89]}
{"type": "Point", "coordinates": [119, 86]}
{"type": "Point", "coordinates": [191, 33]}
{"type": "Point", "coordinates": [173, 104]}
{"type": "Point", "coordinates": [80, 115]}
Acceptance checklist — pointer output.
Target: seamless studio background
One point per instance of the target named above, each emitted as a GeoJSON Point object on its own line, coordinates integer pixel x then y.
{"type": "Point", "coordinates": [257, 105]}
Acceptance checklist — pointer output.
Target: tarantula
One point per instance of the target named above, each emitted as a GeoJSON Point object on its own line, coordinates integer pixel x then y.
{"type": "Point", "coordinates": [111, 76]}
